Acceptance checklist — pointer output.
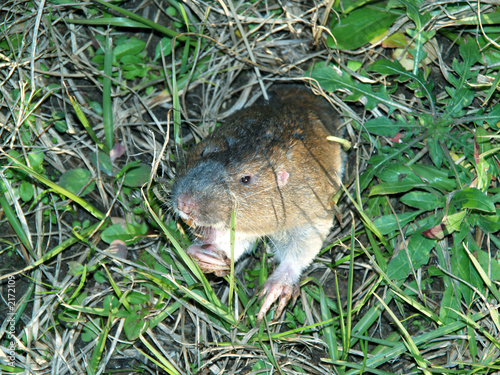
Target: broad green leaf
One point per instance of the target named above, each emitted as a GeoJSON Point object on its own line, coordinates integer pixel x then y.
{"type": "Point", "coordinates": [449, 304]}
{"type": "Point", "coordinates": [389, 223]}
{"type": "Point", "coordinates": [419, 249]}
{"type": "Point", "coordinates": [61, 126]}
{"type": "Point", "coordinates": [129, 234]}
{"type": "Point", "coordinates": [435, 151]}
{"type": "Point", "coordinates": [75, 179]}
{"type": "Point", "coordinates": [422, 200]}
{"type": "Point", "coordinates": [129, 61]}
{"type": "Point", "coordinates": [102, 161]}
{"type": "Point", "coordinates": [90, 328]}
{"type": "Point", "coordinates": [406, 183]}
{"type": "Point", "coordinates": [26, 191]}
{"type": "Point", "coordinates": [137, 175]}
{"type": "Point", "coordinates": [360, 26]}
{"type": "Point", "coordinates": [435, 177]}
{"type": "Point", "coordinates": [461, 266]}
{"type": "Point", "coordinates": [388, 67]}
{"type": "Point", "coordinates": [473, 199]}
{"type": "Point", "coordinates": [486, 19]}
{"type": "Point", "coordinates": [397, 172]}
{"type": "Point", "coordinates": [135, 324]}
{"type": "Point", "coordinates": [489, 223]}
{"type": "Point", "coordinates": [35, 160]}
{"type": "Point", "coordinates": [382, 126]}
{"type": "Point", "coordinates": [453, 222]}
{"type": "Point", "coordinates": [463, 95]}
{"type": "Point", "coordinates": [165, 46]}
{"type": "Point", "coordinates": [332, 79]}
{"type": "Point", "coordinates": [137, 298]}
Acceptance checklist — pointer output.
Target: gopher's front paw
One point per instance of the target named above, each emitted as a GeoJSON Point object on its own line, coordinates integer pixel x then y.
{"type": "Point", "coordinates": [273, 290]}
{"type": "Point", "coordinates": [210, 259]}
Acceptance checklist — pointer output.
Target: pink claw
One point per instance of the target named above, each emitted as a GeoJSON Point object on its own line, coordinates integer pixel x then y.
{"type": "Point", "coordinates": [273, 290]}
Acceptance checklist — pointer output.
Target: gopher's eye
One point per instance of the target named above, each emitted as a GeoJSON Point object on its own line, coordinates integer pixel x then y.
{"type": "Point", "coordinates": [245, 180]}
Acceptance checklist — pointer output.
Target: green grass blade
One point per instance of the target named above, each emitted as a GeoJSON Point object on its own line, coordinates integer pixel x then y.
{"type": "Point", "coordinates": [83, 119]}
{"type": "Point", "coordinates": [163, 362]}
{"type": "Point", "coordinates": [232, 239]}
{"type": "Point", "coordinates": [107, 108]}
{"type": "Point", "coordinates": [142, 20]}
{"type": "Point", "coordinates": [56, 250]}
{"type": "Point", "coordinates": [407, 339]}
{"type": "Point", "coordinates": [100, 345]}
{"type": "Point", "coordinates": [12, 218]}
{"type": "Point", "coordinates": [487, 281]}
{"type": "Point", "coordinates": [91, 209]}
{"type": "Point", "coordinates": [328, 329]}
{"type": "Point", "coordinates": [107, 21]}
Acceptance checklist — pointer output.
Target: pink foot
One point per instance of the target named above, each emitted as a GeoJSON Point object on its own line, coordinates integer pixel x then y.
{"type": "Point", "coordinates": [210, 259]}
{"type": "Point", "coordinates": [273, 290]}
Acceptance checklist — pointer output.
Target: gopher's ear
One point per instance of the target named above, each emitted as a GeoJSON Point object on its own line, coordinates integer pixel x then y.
{"type": "Point", "coordinates": [282, 178]}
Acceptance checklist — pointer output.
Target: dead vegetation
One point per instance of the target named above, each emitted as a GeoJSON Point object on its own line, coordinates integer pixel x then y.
{"type": "Point", "coordinates": [92, 283]}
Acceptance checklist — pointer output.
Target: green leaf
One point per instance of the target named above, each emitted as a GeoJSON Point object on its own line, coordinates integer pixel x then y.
{"type": "Point", "coordinates": [382, 126]}
{"type": "Point", "coordinates": [332, 79]}
{"type": "Point", "coordinates": [419, 35]}
{"type": "Point", "coordinates": [486, 19]}
{"type": "Point", "coordinates": [402, 186]}
{"type": "Point", "coordinates": [450, 304]}
{"type": "Point", "coordinates": [75, 179]}
{"type": "Point", "coordinates": [397, 172]}
{"type": "Point", "coordinates": [389, 223]}
{"type": "Point", "coordinates": [463, 95]}
{"type": "Point", "coordinates": [137, 298]}
{"type": "Point", "coordinates": [419, 249]}
{"type": "Point", "coordinates": [61, 126]}
{"type": "Point", "coordinates": [137, 176]}
{"type": "Point", "coordinates": [435, 151]}
{"type": "Point", "coordinates": [129, 233]}
{"type": "Point", "coordinates": [108, 21]}
{"type": "Point", "coordinates": [131, 60]}
{"type": "Point", "coordinates": [26, 191]}
{"type": "Point", "coordinates": [35, 159]}
{"type": "Point", "coordinates": [144, 21]}
{"type": "Point", "coordinates": [107, 110]}
{"type": "Point", "coordinates": [422, 200]}
{"type": "Point", "coordinates": [388, 67]}
{"type": "Point", "coordinates": [473, 199]}
{"type": "Point", "coordinates": [489, 264]}
{"type": "Point", "coordinates": [489, 223]}
{"type": "Point", "coordinates": [400, 178]}
{"type": "Point", "coordinates": [135, 324]}
{"type": "Point", "coordinates": [166, 46]}
{"type": "Point", "coordinates": [360, 26]}
{"type": "Point", "coordinates": [89, 330]}
{"type": "Point", "coordinates": [435, 177]}
{"type": "Point", "coordinates": [453, 222]}
{"type": "Point", "coordinates": [463, 268]}
{"type": "Point", "coordinates": [102, 161]}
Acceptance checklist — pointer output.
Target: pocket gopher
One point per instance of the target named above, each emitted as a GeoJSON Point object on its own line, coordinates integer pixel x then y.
{"type": "Point", "coordinates": [272, 164]}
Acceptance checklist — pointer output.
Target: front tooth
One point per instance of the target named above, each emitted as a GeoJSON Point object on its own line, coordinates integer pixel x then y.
{"type": "Point", "coordinates": [189, 222]}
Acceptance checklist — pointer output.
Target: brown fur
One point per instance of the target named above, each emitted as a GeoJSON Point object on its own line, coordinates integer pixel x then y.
{"type": "Point", "coordinates": [272, 164]}
{"type": "Point", "coordinates": [287, 134]}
